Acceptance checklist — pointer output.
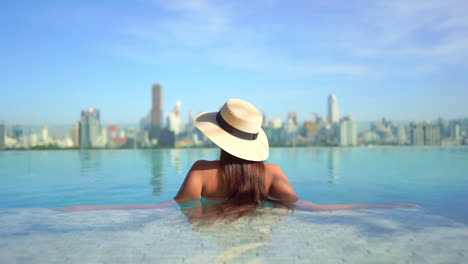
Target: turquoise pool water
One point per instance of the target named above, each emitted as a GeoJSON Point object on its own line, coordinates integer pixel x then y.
{"type": "Point", "coordinates": [436, 178]}
{"type": "Point", "coordinates": [32, 182]}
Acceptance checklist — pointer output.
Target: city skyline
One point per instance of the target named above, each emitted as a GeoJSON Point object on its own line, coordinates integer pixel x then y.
{"type": "Point", "coordinates": [187, 115]}
{"type": "Point", "coordinates": [399, 60]}
{"type": "Point", "coordinates": [157, 116]}
{"type": "Point", "coordinates": [318, 130]}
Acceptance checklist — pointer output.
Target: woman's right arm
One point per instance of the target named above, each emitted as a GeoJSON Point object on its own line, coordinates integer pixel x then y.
{"type": "Point", "coordinates": [281, 189]}
{"type": "Point", "coordinates": [306, 205]}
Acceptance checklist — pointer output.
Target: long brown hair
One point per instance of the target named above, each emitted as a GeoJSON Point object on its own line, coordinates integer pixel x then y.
{"type": "Point", "coordinates": [244, 181]}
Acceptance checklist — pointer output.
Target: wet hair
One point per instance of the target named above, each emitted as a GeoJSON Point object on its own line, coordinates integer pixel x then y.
{"type": "Point", "coordinates": [244, 181]}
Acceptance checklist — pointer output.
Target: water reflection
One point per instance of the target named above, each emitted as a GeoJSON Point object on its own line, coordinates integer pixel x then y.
{"type": "Point", "coordinates": [293, 157]}
{"type": "Point", "coordinates": [334, 166]}
{"type": "Point", "coordinates": [89, 159]}
{"type": "Point", "coordinates": [156, 162]}
{"type": "Point", "coordinates": [176, 159]}
{"type": "Point", "coordinates": [207, 154]}
{"type": "Point", "coordinates": [157, 172]}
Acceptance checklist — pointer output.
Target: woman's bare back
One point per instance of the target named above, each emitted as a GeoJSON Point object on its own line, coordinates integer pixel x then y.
{"type": "Point", "coordinates": [204, 180]}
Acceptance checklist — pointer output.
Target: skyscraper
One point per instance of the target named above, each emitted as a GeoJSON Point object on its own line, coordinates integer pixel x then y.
{"type": "Point", "coordinates": [174, 120]}
{"type": "Point", "coordinates": [2, 134]}
{"type": "Point", "coordinates": [45, 134]}
{"type": "Point", "coordinates": [425, 134]}
{"type": "Point", "coordinates": [333, 109]}
{"type": "Point", "coordinates": [17, 132]}
{"type": "Point", "coordinates": [401, 134]}
{"type": "Point", "coordinates": [347, 134]}
{"type": "Point", "coordinates": [90, 128]}
{"type": "Point", "coordinates": [75, 133]}
{"type": "Point", "coordinates": [431, 134]}
{"type": "Point", "coordinates": [455, 131]}
{"type": "Point", "coordinates": [416, 133]}
{"type": "Point", "coordinates": [291, 128]}
{"type": "Point", "coordinates": [156, 112]}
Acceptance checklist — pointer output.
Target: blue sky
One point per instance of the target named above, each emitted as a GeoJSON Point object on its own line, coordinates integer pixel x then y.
{"type": "Point", "coordinates": [397, 59]}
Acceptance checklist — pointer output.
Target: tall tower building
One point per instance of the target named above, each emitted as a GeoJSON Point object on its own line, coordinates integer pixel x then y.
{"type": "Point", "coordinates": [174, 120]}
{"type": "Point", "coordinates": [425, 134]}
{"type": "Point", "coordinates": [45, 134]}
{"type": "Point", "coordinates": [431, 134]}
{"type": "Point", "coordinates": [17, 131]}
{"type": "Point", "coordinates": [156, 112]}
{"type": "Point", "coordinates": [401, 135]}
{"type": "Point", "coordinates": [416, 133]}
{"type": "Point", "coordinates": [75, 133]}
{"type": "Point", "coordinates": [90, 128]}
{"type": "Point", "coordinates": [333, 109]}
{"type": "Point", "coordinates": [2, 134]}
{"type": "Point", "coordinates": [347, 134]}
{"type": "Point", "coordinates": [455, 132]}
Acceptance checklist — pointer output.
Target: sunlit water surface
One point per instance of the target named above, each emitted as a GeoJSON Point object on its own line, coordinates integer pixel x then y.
{"type": "Point", "coordinates": [33, 182]}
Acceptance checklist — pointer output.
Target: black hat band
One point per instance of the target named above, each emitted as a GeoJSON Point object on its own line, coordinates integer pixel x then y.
{"type": "Point", "coordinates": [234, 131]}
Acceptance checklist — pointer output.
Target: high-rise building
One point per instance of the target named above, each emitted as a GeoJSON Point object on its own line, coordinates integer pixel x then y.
{"type": "Point", "coordinates": [425, 134]}
{"type": "Point", "coordinates": [333, 109]}
{"type": "Point", "coordinates": [347, 132]}
{"type": "Point", "coordinates": [401, 134]}
{"type": "Point", "coordinates": [102, 138]}
{"type": "Point", "coordinates": [2, 134]}
{"type": "Point", "coordinates": [291, 128]}
{"type": "Point", "coordinates": [33, 139]}
{"type": "Point", "coordinates": [45, 134]}
{"type": "Point", "coordinates": [156, 111]}
{"type": "Point", "coordinates": [17, 132]}
{"type": "Point", "coordinates": [90, 128]}
{"type": "Point", "coordinates": [264, 120]}
{"type": "Point", "coordinates": [416, 133]}
{"type": "Point", "coordinates": [455, 132]}
{"type": "Point", "coordinates": [275, 132]}
{"type": "Point", "coordinates": [311, 130]}
{"type": "Point", "coordinates": [191, 118]}
{"type": "Point", "coordinates": [113, 131]}
{"type": "Point", "coordinates": [314, 118]}
{"type": "Point", "coordinates": [174, 120]}
{"type": "Point", "coordinates": [431, 134]}
{"type": "Point", "coordinates": [292, 123]}
{"type": "Point", "coordinates": [325, 133]}
{"type": "Point", "coordinates": [75, 134]}
{"type": "Point", "coordinates": [444, 127]}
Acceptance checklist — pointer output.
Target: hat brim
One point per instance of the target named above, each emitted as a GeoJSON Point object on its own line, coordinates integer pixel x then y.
{"type": "Point", "coordinates": [253, 150]}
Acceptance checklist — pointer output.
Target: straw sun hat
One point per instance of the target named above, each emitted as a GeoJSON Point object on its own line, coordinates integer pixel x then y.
{"type": "Point", "coordinates": [236, 129]}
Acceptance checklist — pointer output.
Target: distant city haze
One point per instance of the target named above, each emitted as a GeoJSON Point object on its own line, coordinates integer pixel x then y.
{"type": "Point", "coordinates": [151, 132]}
{"type": "Point", "coordinates": [402, 60]}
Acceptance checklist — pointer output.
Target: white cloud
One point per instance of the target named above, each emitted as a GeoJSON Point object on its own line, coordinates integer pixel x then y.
{"type": "Point", "coordinates": [214, 33]}
{"type": "Point", "coordinates": [422, 32]}
{"type": "Point", "coordinates": [433, 31]}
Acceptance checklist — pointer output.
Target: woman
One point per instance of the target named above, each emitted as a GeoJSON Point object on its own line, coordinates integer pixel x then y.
{"type": "Point", "coordinates": [239, 180]}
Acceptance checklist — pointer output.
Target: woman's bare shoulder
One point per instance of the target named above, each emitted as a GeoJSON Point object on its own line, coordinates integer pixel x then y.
{"type": "Point", "coordinates": [274, 170]}
{"type": "Point", "coordinates": [280, 188]}
{"type": "Point", "coordinates": [273, 173]}
{"type": "Point", "coordinates": [205, 165]}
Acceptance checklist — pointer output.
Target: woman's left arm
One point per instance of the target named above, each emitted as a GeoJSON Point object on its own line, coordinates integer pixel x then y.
{"type": "Point", "coordinates": [77, 208]}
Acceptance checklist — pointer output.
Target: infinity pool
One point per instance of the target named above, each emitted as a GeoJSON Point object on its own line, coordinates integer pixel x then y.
{"type": "Point", "coordinates": [33, 182]}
